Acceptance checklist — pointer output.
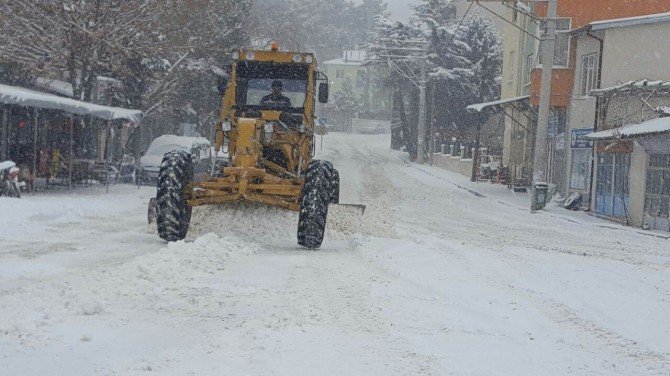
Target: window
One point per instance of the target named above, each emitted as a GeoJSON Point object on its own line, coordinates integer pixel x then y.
{"type": "Point", "coordinates": [255, 80]}
{"type": "Point", "coordinates": [528, 67]}
{"type": "Point", "coordinates": [589, 74]}
{"type": "Point", "coordinates": [360, 79]}
{"type": "Point", "coordinates": [657, 198]}
{"type": "Point", "coordinates": [558, 121]}
{"type": "Point", "coordinates": [561, 43]}
{"type": "Point", "coordinates": [339, 73]}
{"type": "Point", "coordinates": [581, 169]}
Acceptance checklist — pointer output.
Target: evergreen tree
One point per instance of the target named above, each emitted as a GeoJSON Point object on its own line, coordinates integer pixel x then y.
{"type": "Point", "coordinates": [347, 102]}
{"type": "Point", "coordinates": [464, 65]}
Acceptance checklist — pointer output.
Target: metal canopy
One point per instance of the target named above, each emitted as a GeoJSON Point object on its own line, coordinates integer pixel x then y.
{"type": "Point", "coordinates": [479, 107]}
{"type": "Point", "coordinates": [13, 95]}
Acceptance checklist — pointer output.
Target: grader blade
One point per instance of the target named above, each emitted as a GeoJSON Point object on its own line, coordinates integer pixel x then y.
{"type": "Point", "coordinates": [351, 209]}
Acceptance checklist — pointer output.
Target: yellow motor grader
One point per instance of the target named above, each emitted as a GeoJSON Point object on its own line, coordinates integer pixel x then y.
{"type": "Point", "coordinates": [267, 118]}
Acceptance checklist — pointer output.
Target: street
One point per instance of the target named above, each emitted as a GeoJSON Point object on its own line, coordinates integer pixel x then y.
{"type": "Point", "coordinates": [440, 277]}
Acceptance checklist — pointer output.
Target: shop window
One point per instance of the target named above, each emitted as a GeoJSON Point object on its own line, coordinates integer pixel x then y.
{"type": "Point", "coordinates": [581, 168]}
{"type": "Point", "coordinates": [558, 121]}
{"type": "Point", "coordinates": [657, 197]}
{"type": "Point", "coordinates": [612, 186]}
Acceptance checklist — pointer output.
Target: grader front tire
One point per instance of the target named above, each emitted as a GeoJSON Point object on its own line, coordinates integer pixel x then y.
{"type": "Point", "coordinates": [316, 195]}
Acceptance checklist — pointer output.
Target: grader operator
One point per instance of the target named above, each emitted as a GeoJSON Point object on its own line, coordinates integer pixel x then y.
{"type": "Point", "coordinates": [270, 147]}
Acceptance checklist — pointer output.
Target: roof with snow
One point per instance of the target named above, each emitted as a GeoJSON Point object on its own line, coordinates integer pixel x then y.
{"type": "Point", "coordinates": [631, 21]}
{"type": "Point", "coordinates": [19, 96]}
{"type": "Point", "coordinates": [479, 107]}
{"type": "Point", "coordinates": [648, 19]}
{"type": "Point", "coordinates": [649, 127]}
{"type": "Point", "coordinates": [633, 86]}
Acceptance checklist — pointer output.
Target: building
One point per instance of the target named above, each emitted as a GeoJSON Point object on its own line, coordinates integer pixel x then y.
{"type": "Point", "coordinates": [519, 48]}
{"type": "Point", "coordinates": [575, 15]}
{"type": "Point", "coordinates": [493, 9]}
{"type": "Point", "coordinates": [365, 82]}
{"type": "Point", "coordinates": [631, 175]}
{"type": "Point", "coordinates": [612, 58]}
{"type": "Point", "coordinates": [522, 75]}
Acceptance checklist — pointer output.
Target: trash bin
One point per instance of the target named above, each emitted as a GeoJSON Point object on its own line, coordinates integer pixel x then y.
{"type": "Point", "coordinates": [540, 191]}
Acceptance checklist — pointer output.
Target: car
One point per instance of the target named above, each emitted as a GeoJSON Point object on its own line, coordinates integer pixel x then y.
{"type": "Point", "coordinates": [150, 162]}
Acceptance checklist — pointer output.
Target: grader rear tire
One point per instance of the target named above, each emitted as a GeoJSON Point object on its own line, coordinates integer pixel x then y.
{"type": "Point", "coordinates": [173, 215]}
{"type": "Point", "coordinates": [316, 195]}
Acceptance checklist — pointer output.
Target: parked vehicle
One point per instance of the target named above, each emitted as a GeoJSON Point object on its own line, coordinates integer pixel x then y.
{"type": "Point", "coordinates": [9, 180]}
{"type": "Point", "coordinates": [150, 163]}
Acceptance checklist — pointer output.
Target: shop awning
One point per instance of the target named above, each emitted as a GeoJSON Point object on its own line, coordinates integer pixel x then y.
{"type": "Point", "coordinates": [479, 107]}
{"type": "Point", "coordinates": [19, 96]}
{"type": "Point", "coordinates": [650, 127]}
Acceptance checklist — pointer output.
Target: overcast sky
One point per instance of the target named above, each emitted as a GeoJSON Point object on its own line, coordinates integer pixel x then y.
{"type": "Point", "coordinates": [400, 9]}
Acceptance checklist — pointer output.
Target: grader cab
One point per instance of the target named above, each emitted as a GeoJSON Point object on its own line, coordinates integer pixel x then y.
{"type": "Point", "coordinates": [267, 118]}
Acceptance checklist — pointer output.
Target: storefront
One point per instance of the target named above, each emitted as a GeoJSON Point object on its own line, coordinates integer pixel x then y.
{"type": "Point", "coordinates": [581, 160]}
{"type": "Point", "coordinates": [657, 187]}
{"type": "Point", "coordinates": [632, 174]}
{"type": "Point", "coordinates": [41, 131]}
{"type": "Point", "coordinates": [612, 193]}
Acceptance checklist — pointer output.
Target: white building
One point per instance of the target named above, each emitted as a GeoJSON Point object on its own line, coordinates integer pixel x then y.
{"type": "Point", "coordinates": [621, 79]}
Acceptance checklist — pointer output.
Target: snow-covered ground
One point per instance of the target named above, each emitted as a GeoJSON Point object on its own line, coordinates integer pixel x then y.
{"type": "Point", "coordinates": [442, 277]}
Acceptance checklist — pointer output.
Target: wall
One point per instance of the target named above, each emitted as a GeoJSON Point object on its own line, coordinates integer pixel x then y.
{"type": "Point", "coordinates": [637, 180]}
{"type": "Point", "coordinates": [515, 46]}
{"type": "Point", "coordinates": [583, 13]}
{"type": "Point", "coordinates": [586, 11]}
{"type": "Point", "coordinates": [633, 53]}
{"type": "Point", "coordinates": [454, 164]}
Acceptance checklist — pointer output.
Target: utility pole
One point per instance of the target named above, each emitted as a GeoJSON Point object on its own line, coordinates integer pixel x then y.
{"type": "Point", "coordinates": [420, 147]}
{"type": "Point", "coordinates": [539, 193]}
{"type": "Point", "coordinates": [396, 54]}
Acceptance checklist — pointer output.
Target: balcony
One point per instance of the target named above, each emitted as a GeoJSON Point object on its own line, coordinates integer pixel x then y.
{"type": "Point", "coordinates": [561, 87]}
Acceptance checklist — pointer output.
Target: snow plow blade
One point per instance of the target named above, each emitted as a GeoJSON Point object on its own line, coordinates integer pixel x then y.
{"type": "Point", "coordinates": [345, 219]}
{"type": "Point", "coordinates": [353, 209]}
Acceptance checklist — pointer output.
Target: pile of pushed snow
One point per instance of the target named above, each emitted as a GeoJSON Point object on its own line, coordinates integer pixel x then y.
{"type": "Point", "coordinates": [181, 277]}
{"type": "Point", "coordinates": [253, 221]}
{"type": "Point", "coordinates": [243, 220]}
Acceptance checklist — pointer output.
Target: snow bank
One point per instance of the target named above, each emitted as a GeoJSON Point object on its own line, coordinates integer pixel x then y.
{"type": "Point", "coordinates": [172, 278]}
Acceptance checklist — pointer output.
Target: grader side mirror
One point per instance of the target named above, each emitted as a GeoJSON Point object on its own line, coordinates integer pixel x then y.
{"type": "Point", "coordinates": [323, 92]}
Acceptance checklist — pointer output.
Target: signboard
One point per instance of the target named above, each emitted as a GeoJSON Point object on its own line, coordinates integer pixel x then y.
{"type": "Point", "coordinates": [577, 141]}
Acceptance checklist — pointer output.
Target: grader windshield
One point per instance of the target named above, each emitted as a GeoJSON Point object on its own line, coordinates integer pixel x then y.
{"type": "Point", "coordinates": [257, 81]}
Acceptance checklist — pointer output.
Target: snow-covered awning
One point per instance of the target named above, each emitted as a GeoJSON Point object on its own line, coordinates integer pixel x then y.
{"type": "Point", "coordinates": [649, 127]}
{"type": "Point", "coordinates": [479, 107]}
{"type": "Point", "coordinates": [632, 86]}
{"type": "Point", "coordinates": [30, 98]}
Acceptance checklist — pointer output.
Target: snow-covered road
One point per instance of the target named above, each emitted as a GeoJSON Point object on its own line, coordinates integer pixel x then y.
{"type": "Point", "coordinates": [442, 277]}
